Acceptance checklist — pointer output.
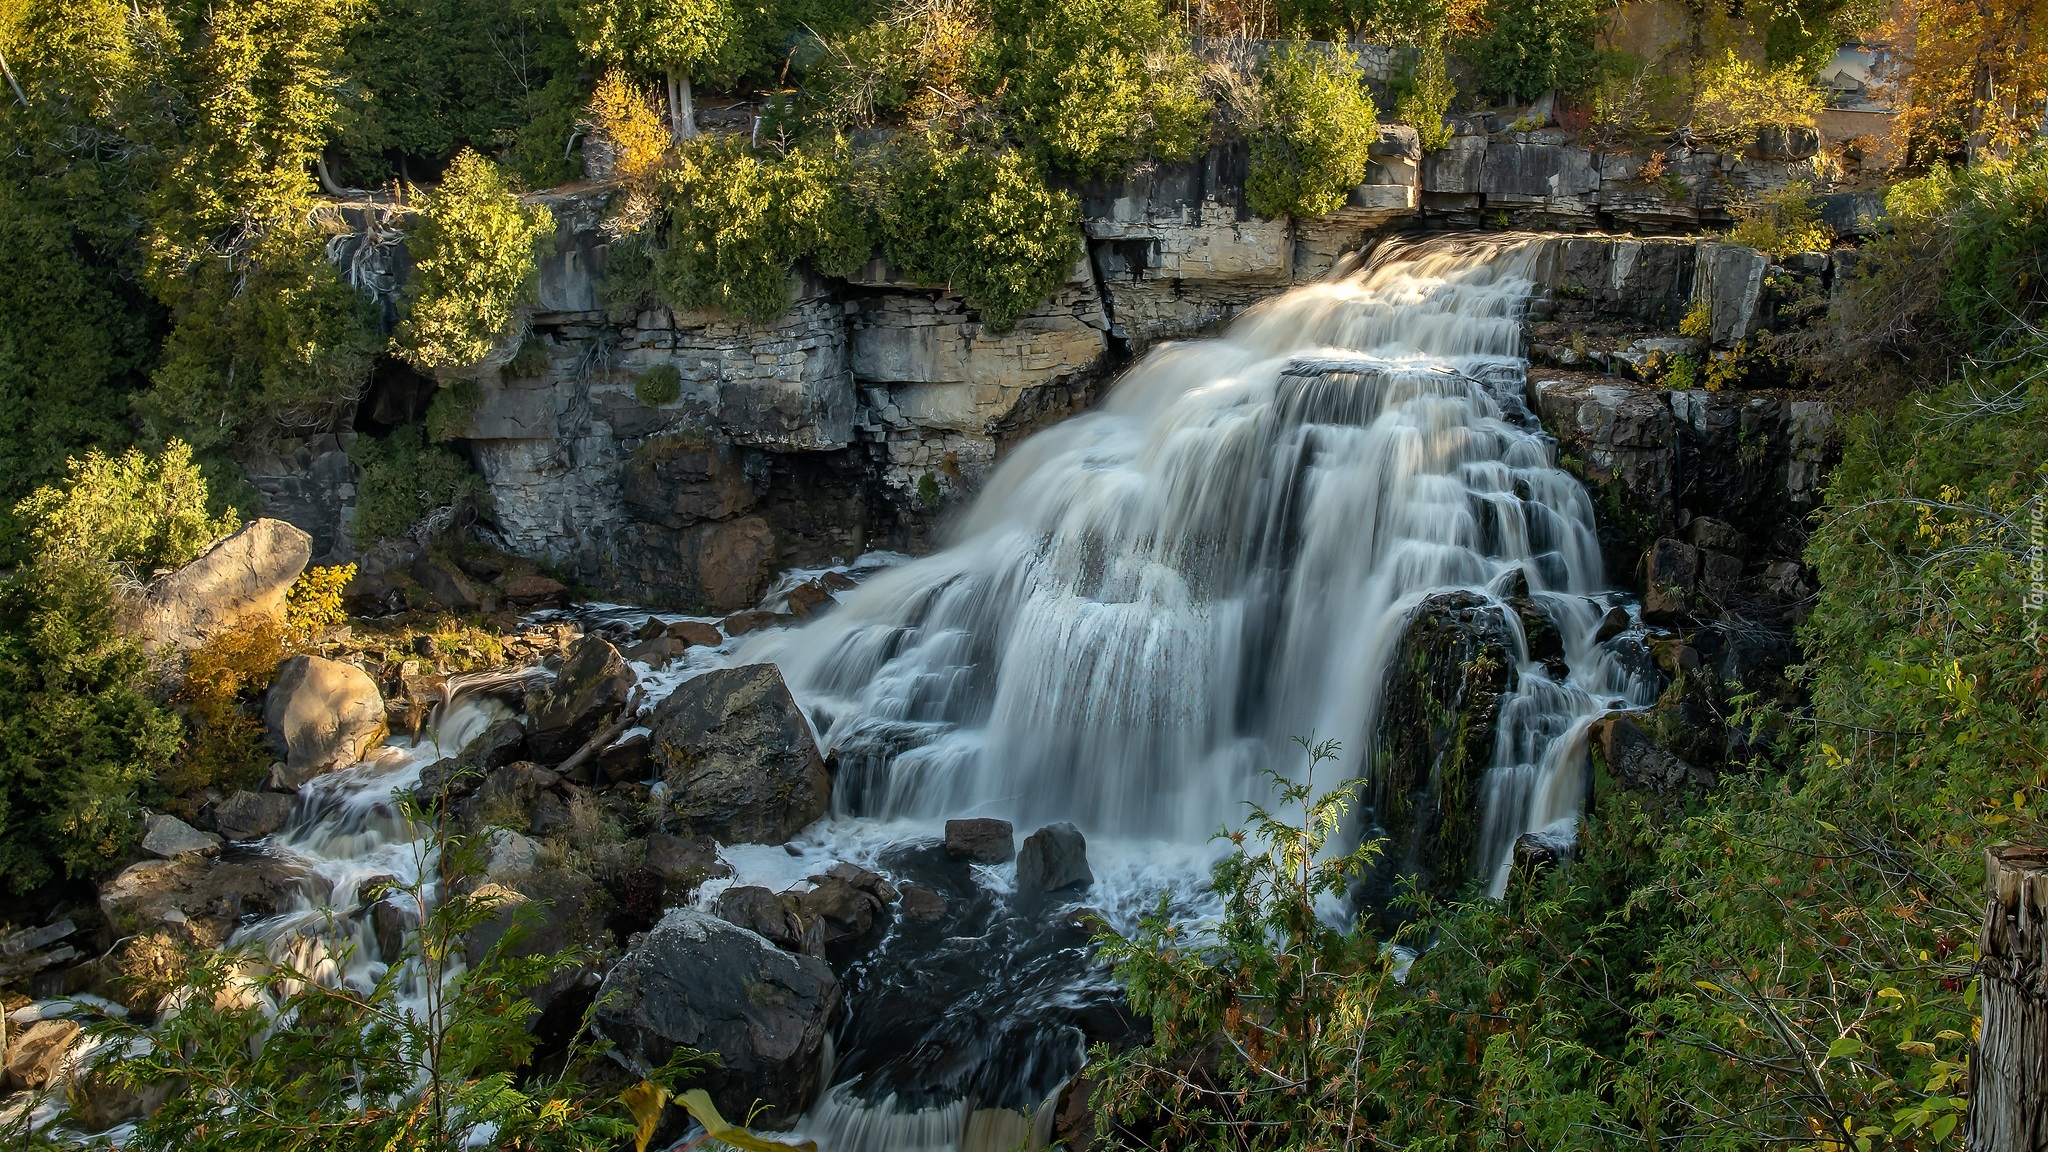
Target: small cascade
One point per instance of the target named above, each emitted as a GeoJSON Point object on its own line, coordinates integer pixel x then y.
{"type": "Point", "coordinates": [349, 833]}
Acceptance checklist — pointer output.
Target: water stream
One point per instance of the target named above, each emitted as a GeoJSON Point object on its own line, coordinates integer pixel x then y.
{"type": "Point", "coordinates": [1132, 620]}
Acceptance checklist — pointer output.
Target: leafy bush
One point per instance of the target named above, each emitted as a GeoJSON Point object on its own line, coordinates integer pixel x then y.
{"type": "Point", "coordinates": [1094, 84]}
{"type": "Point", "coordinates": [404, 478]}
{"type": "Point", "coordinates": [1635, 102]}
{"type": "Point", "coordinates": [226, 746]}
{"type": "Point", "coordinates": [739, 221]}
{"type": "Point", "coordinates": [1781, 222]}
{"type": "Point", "coordinates": [1425, 96]}
{"type": "Point", "coordinates": [1738, 99]}
{"type": "Point", "coordinates": [917, 59]}
{"type": "Point", "coordinates": [449, 413]}
{"type": "Point", "coordinates": [659, 385]}
{"type": "Point", "coordinates": [1316, 128]}
{"type": "Point", "coordinates": [625, 124]}
{"type": "Point", "coordinates": [1530, 47]}
{"type": "Point", "coordinates": [81, 736]}
{"type": "Point", "coordinates": [983, 223]}
{"type": "Point", "coordinates": [473, 265]}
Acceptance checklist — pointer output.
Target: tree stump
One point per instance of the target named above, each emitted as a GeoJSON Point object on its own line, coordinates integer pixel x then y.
{"type": "Point", "coordinates": [2009, 1069]}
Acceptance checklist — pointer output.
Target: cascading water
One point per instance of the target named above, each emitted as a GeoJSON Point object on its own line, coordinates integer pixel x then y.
{"type": "Point", "coordinates": [1146, 602]}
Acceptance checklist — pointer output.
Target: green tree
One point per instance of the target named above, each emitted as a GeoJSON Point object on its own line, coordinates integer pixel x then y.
{"type": "Point", "coordinates": [81, 735]}
{"type": "Point", "coordinates": [403, 479]}
{"type": "Point", "coordinates": [675, 39]}
{"type": "Point", "coordinates": [1530, 47]}
{"type": "Point", "coordinates": [473, 266]}
{"type": "Point", "coordinates": [1094, 84]}
{"type": "Point", "coordinates": [1316, 128]}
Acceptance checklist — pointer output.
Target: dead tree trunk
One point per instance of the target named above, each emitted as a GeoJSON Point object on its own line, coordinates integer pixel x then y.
{"type": "Point", "coordinates": [2009, 1069]}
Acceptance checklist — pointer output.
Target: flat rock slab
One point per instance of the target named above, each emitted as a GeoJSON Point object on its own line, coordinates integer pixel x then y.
{"type": "Point", "coordinates": [167, 838]}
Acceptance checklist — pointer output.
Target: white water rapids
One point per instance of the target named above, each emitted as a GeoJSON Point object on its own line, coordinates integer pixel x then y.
{"type": "Point", "coordinates": [1132, 620]}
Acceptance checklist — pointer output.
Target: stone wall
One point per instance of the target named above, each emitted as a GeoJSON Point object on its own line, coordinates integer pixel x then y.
{"type": "Point", "coordinates": [858, 416]}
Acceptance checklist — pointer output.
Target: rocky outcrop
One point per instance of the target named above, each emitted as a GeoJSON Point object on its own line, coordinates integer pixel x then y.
{"type": "Point", "coordinates": [592, 685]}
{"type": "Point", "coordinates": [1052, 858]}
{"type": "Point", "coordinates": [238, 584]}
{"type": "Point", "coordinates": [1456, 659]}
{"type": "Point", "coordinates": [321, 715]}
{"type": "Point", "coordinates": [199, 901]}
{"type": "Point", "coordinates": [738, 757]}
{"type": "Point", "coordinates": [696, 981]}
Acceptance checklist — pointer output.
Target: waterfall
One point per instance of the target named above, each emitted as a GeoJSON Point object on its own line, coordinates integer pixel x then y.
{"type": "Point", "coordinates": [1146, 602]}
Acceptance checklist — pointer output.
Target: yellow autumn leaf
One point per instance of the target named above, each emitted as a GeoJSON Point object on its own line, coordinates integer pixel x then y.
{"type": "Point", "coordinates": [645, 1101]}
{"type": "Point", "coordinates": [698, 1103]}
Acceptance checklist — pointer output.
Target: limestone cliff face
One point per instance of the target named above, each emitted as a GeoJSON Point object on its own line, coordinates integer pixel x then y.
{"type": "Point", "coordinates": [855, 417]}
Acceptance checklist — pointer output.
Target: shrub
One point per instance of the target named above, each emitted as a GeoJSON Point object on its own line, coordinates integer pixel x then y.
{"type": "Point", "coordinates": [1425, 99]}
{"type": "Point", "coordinates": [1634, 102]}
{"type": "Point", "coordinates": [917, 60]}
{"type": "Point", "coordinates": [1316, 129]}
{"type": "Point", "coordinates": [624, 122]}
{"type": "Point", "coordinates": [659, 385]}
{"type": "Point", "coordinates": [1530, 47]}
{"type": "Point", "coordinates": [1781, 222]}
{"type": "Point", "coordinates": [1738, 99]}
{"type": "Point", "coordinates": [226, 746]}
{"type": "Point", "coordinates": [313, 605]}
{"type": "Point", "coordinates": [739, 221]}
{"type": "Point", "coordinates": [403, 479]}
{"type": "Point", "coordinates": [983, 223]}
{"type": "Point", "coordinates": [1094, 84]}
{"type": "Point", "coordinates": [449, 412]}
{"type": "Point", "coordinates": [473, 255]}
{"type": "Point", "coordinates": [81, 737]}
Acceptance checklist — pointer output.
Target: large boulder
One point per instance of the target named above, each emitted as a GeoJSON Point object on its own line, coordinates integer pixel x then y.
{"type": "Point", "coordinates": [696, 981]}
{"type": "Point", "coordinates": [167, 838]}
{"type": "Point", "coordinates": [592, 685]}
{"type": "Point", "coordinates": [738, 757]}
{"type": "Point", "coordinates": [199, 901]}
{"type": "Point", "coordinates": [239, 582]}
{"type": "Point", "coordinates": [1455, 661]}
{"type": "Point", "coordinates": [322, 715]}
{"type": "Point", "coordinates": [35, 1055]}
{"type": "Point", "coordinates": [554, 909]}
{"type": "Point", "coordinates": [252, 815]}
{"type": "Point", "coordinates": [982, 839]}
{"type": "Point", "coordinates": [1054, 857]}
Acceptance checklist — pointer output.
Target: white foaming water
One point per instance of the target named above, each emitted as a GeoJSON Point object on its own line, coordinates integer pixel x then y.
{"type": "Point", "coordinates": [1146, 602]}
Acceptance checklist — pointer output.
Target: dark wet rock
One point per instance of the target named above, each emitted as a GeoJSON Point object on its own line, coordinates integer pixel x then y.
{"type": "Point", "coordinates": [981, 839]}
{"type": "Point", "coordinates": [765, 913]}
{"type": "Point", "coordinates": [542, 911]}
{"type": "Point", "coordinates": [735, 561]}
{"type": "Point", "coordinates": [1671, 577]}
{"type": "Point", "coordinates": [252, 815]}
{"type": "Point", "coordinates": [447, 586]}
{"type": "Point", "coordinates": [1535, 853]}
{"type": "Point", "coordinates": [682, 863]}
{"type": "Point", "coordinates": [390, 920]}
{"type": "Point", "coordinates": [1052, 858]}
{"type": "Point", "coordinates": [696, 634]}
{"type": "Point", "coordinates": [322, 715]}
{"type": "Point", "coordinates": [840, 908]}
{"type": "Point", "coordinates": [199, 901]}
{"type": "Point", "coordinates": [1641, 763]}
{"type": "Point", "coordinates": [623, 759]}
{"type": "Point", "coordinates": [741, 623]}
{"type": "Point", "coordinates": [1442, 698]}
{"type": "Point", "coordinates": [533, 591]}
{"type": "Point", "coordinates": [1611, 625]}
{"type": "Point", "coordinates": [921, 903]}
{"type": "Point", "coordinates": [592, 685]}
{"type": "Point", "coordinates": [739, 758]}
{"type": "Point", "coordinates": [808, 598]}
{"type": "Point", "coordinates": [697, 981]}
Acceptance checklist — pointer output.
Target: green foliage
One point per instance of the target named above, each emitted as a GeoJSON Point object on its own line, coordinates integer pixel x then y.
{"type": "Point", "coordinates": [1372, 21]}
{"type": "Point", "coordinates": [1316, 126]}
{"type": "Point", "coordinates": [430, 77]}
{"type": "Point", "coordinates": [1095, 84]}
{"type": "Point", "coordinates": [81, 737]}
{"type": "Point", "coordinates": [404, 478]}
{"type": "Point", "coordinates": [659, 385]}
{"type": "Point", "coordinates": [449, 412]}
{"type": "Point", "coordinates": [473, 265]}
{"type": "Point", "coordinates": [74, 340]}
{"type": "Point", "coordinates": [280, 343]}
{"type": "Point", "coordinates": [1425, 95]}
{"type": "Point", "coordinates": [738, 221]}
{"type": "Point", "coordinates": [1782, 222]}
{"type": "Point", "coordinates": [1739, 99]}
{"type": "Point", "coordinates": [1532, 46]}
{"type": "Point", "coordinates": [984, 223]}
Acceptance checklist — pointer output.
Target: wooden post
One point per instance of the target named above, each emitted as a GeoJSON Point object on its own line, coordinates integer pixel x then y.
{"type": "Point", "coordinates": [2009, 1069]}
